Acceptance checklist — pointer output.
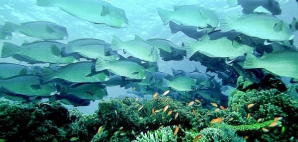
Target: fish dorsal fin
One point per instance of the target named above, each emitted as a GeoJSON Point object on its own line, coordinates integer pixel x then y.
{"type": "Point", "coordinates": [203, 13]}
{"type": "Point", "coordinates": [177, 7]}
{"type": "Point", "coordinates": [138, 38]}
{"type": "Point", "coordinates": [205, 38]}
{"type": "Point", "coordinates": [55, 50]}
{"type": "Point", "coordinates": [105, 11]}
{"type": "Point", "coordinates": [49, 29]}
{"type": "Point", "coordinates": [23, 71]}
{"type": "Point", "coordinates": [278, 26]}
{"type": "Point", "coordinates": [261, 10]}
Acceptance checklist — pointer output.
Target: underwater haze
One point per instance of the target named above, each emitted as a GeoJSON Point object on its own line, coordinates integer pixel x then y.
{"type": "Point", "coordinates": [158, 70]}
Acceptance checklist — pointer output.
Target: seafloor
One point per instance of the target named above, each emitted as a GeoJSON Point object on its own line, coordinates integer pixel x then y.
{"type": "Point", "coordinates": [266, 112]}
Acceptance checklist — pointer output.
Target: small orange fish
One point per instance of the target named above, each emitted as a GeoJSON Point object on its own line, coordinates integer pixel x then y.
{"type": "Point", "coordinates": [214, 104]}
{"type": "Point", "coordinates": [176, 115]}
{"type": "Point", "coordinates": [197, 100]}
{"type": "Point", "coordinates": [165, 108]}
{"type": "Point", "coordinates": [140, 108]}
{"type": "Point", "coordinates": [259, 120]}
{"type": "Point", "coordinates": [222, 107]}
{"type": "Point", "coordinates": [197, 137]}
{"type": "Point", "coordinates": [99, 129]}
{"type": "Point", "coordinates": [191, 103]}
{"type": "Point", "coordinates": [246, 137]}
{"type": "Point", "coordinates": [265, 130]}
{"type": "Point", "coordinates": [194, 112]}
{"type": "Point", "coordinates": [166, 92]}
{"type": "Point", "coordinates": [248, 115]}
{"type": "Point", "coordinates": [250, 105]}
{"type": "Point", "coordinates": [176, 130]}
{"type": "Point", "coordinates": [277, 118]}
{"type": "Point", "coordinates": [152, 111]}
{"type": "Point", "coordinates": [170, 112]}
{"type": "Point", "coordinates": [216, 120]}
{"type": "Point", "coordinates": [154, 95]}
{"type": "Point", "coordinates": [273, 124]}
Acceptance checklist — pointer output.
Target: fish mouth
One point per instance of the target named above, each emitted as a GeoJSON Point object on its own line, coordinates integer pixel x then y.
{"type": "Point", "coordinates": [291, 37]}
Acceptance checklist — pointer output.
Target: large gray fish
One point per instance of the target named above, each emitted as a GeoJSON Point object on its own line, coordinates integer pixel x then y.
{"type": "Point", "coordinates": [91, 49]}
{"type": "Point", "coordinates": [128, 69]}
{"type": "Point", "coordinates": [38, 29]}
{"type": "Point", "coordinates": [190, 15]}
{"type": "Point", "coordinates": [4, 35]}
{"type": "Point", "coordinates": [86, 91]}
{"type": "Point", "coordinates": [222, 47]}
{"type": "Point", "coordinates": [137, 48]}
{"type": "Point", "coordinates": [180, 83]}
{"type": "Point", "coordinates": [257, 6]}
{"type": "Point", "coordinates": [9, 70]}
{"type": "Point", "coordinates": [283, 63]}
{"type": "Point", "coordinates": [29, 85]}
{"type": "Point", "coordinates": [36, 52]}
{"type": "Point", "coordinates": [95, 11]}
{"type": "Point", "coordinates": [261, 26]}
{"type": "Point", "coordinates": [78, 72]}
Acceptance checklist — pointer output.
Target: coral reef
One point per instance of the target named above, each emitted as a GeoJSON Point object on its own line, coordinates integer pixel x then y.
{"type": "Point", "coordinates": [256, 115]}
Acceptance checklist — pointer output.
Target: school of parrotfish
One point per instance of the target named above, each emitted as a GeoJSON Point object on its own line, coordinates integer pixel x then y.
{"type": "Point", "coordinates": [249, 45]}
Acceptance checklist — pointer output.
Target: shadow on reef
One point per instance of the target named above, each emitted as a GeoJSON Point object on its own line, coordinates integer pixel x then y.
{"type": "Point", "coordinates": [254, 113]}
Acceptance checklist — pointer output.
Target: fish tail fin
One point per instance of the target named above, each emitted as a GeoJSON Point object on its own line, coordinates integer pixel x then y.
{"type": "Point", "coordinates": [115, 44]}
{"type": "Point", "coordinates": [232, 3]}
{"type": "Point", "coordinates": [294, 25]}
{"type": "Point", "coordinates": [174, 27]}
{"type": "Point", "coordinates": [189, 47]}
{"type": "Point", "coordinates": [8, 50]}
{"type": "Point", "coordinates": [165, 83]}
{"type": "Point", "coordinates": [164, 15]}
{"type": "Point", "coordinates": [251, 62]}
{"type": "Point", "coordinates": [100, 64]}
{"type": "Point", "coordinates": [45, 3]}
{"type": "Point", "coordinates": [226, 23]}
{"type": "Point", "coordinates": [9, 27]}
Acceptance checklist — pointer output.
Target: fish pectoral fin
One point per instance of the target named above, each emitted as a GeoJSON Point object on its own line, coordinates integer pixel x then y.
{"type": "Point", "coordinates": [55, 50]}
{"type": "Point", "coordinates": [105, 11]}
{"type": "Point", "coordinates": [278, 26]}
{"type": "Point", "coordinates": [49, 29]}
{"type": "Point", "coordinates": [134, 73]}
{"type": "Point", "coordinates": [35, 87]}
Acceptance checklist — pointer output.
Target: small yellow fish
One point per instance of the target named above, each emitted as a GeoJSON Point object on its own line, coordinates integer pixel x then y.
{"type": "Point", "coordinates": [165, 108]}
{"type": "Point", "coordinates": [217, 109]}
{"type": "Point", "coordinates": [214, 104]}
{"type": "Point", "coordinates": [265, 130]}
{"type": "Point", "coordinates": [166, 92]}
{"type": "Point", "coordinates": [140, 107]}
{"type": "Point", "coordinates": [277, 118]}
{"type": "Point", "coordinates": [170, 112]}
{"type": "Point", "coordinates": [245, 137]}
{"type": "Point", "coordinates": [133, 88]}
{"type": "Point", "coordinates": [231, 119]}
{"type": "Point", "coordinates": [159, 110]}
{"type": "Point", "coordinates": [154, 95]}
{"type": "Point", "coordinates": [197, 100]}
{"type": "Point", "coordinates": [194, 112]}
{"type": "Point", "coordinates": [191, 103]}
{"type": "Point", "coordinates": [152, 111]}
{"type": "Point", "coordinates": [176, 130]}
{"type": "Point", "coordinates": [248, 115]}
{"type": "Point", "coordinates": [259, 120]}
{"type": "Point", "coordinates": [176, 115]}
{"type": "Point", "coordinates": [216, 120]}
{"type": "Point", "coordinates": [99, 129]}
{"type": "Point", "coordinates": [250, 105]}
{"type": "Point", "coordinates": [222, 107]}
{"type": "Point", "coordinates": [197, 137]}
{"type": "Point", "coordinates": [273, 124]}
{"type": "Point", "coordinates": [136, 99]}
